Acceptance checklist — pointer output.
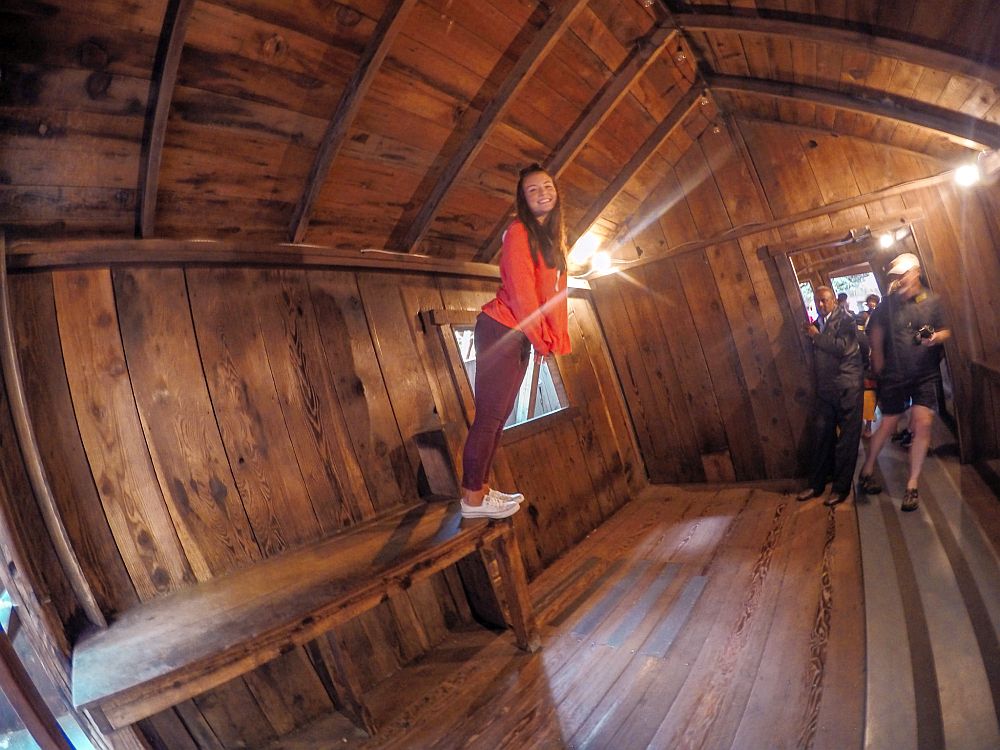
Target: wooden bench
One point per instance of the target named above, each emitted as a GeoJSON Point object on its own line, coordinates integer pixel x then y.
{"type": "Point", "coordinates": [177, 646]}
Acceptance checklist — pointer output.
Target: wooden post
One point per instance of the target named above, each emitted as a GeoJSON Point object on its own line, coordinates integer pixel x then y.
{"type": "Point", "coordinates": [340, 678]}
{"type": "Point", "coordinates": [533, 394]}
{"type": "Point", "coordinates": [515, 588]}
{"type": "Point", "coordinates": [24, 698]}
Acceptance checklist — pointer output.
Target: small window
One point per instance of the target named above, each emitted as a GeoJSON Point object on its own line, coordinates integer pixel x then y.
{"type": "Point", "coordinates": [857, 286]}
{"type": "Point", "coordinates": [808, 298]}
{"type": "Point", "coordinates": [549, 394]}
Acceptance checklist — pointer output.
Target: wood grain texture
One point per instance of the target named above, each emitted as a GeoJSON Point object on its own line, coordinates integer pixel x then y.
{"type": "Point", "coordinates": [315, 595]}
{"type": "Point", "coordinates": [178, 421]}
{"type": "Point", "coordinates": [63, 454]}
{"type": "Point", "coordinates": [247, 409]}
{"type": "Point", "coordinates": [112, 433]}
{"type": "Point", "coordinates": [313, 413]}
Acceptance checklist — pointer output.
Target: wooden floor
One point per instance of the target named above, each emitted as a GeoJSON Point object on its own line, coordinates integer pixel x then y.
{"type": "Point", "coordinates": [734, 619]}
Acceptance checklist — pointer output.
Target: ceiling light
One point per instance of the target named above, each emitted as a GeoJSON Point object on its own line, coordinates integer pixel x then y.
{"type": "Point", "coordinates": [585, 247]}
{"type": "Point", "coordinates": [601, 261]}
{"type": "Point", "coordinates": [886, 240]}
{"type": "Point", "coordinates": [967, 175]}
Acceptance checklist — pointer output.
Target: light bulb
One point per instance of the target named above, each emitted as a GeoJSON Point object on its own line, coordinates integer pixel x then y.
{"type": "Point", "coordinates": [886, 240]}
{"type": "Point", "coordinates": [967, 175]}
{"type": "Point", "coordinates": [601, 261]}
{"type": "Point", "coordinates": [585, 247]}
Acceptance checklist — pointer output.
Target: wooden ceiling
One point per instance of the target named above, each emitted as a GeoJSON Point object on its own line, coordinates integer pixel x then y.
{"type": "Point", "coordinates": [401, 124]}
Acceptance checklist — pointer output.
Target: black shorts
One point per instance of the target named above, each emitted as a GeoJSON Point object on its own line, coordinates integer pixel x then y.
{"type": "Point", "coordinates": [895, 398]}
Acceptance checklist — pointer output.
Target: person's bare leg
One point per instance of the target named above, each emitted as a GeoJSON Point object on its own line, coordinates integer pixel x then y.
{"type": "Point", "coordinates": [879, 439]}
{"type": "Point", "coordinates": [474, 497]}
{"type": "Point", "coordinates": [921, 419]}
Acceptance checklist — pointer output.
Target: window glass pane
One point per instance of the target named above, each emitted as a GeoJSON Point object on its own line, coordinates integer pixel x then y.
{"type": "Point", "coordinates": [857, 286]}
{"type": "Point", "coordinates": [808, 298]}
{"type": "Point", "coordinates": [551, 396]}
{"type": "Point", "coordinates": [13, 735]}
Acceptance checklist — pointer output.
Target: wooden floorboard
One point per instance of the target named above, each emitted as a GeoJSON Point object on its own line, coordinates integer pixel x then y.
{"type": "Point", "coordinates": [734, 618]}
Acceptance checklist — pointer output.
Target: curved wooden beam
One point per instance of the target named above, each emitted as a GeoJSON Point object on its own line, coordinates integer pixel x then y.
{"type": "Point", "coordinates": [639, 159]}
{"type": "Point", "coordinates": [37, 475]}
{"type": "Point", "coordinates": [526, 65]}
{"type": "Point", "coordinates": [600, 107]}
{"type": "Point", "coordinates": [823, 30]}
{"type": "Point", "coordinates": [347, 108]}
{"type": "Point", "coordinates": [161, 92]}
{"type": "Point", "coordinates": [877, 103]}
{"type": "Point", "coordinates": [53, 254]}
{"type": "Point", "coordinates": [827, 209]}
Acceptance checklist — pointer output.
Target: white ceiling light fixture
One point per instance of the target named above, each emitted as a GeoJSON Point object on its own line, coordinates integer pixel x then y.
{"type": "Point", "coordinates": [600, 262]}
{"type": "Point", "coordinates": [585, 247]}
{"type": "Point", "coordinates": [967, 175]}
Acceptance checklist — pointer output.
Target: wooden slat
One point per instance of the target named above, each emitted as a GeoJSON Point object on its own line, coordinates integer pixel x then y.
{"type": "Point", "coordinates": [353, 363]}
{"type": "Point", "coordinates": [178, 421]}
{"type": "Point", "coordinates": [161, 91]}
{"type": "Point", "coordinates": [598, 109]}
{"type": "Point", "coordinates": [655, 140]}
{"type": "Point", "coordinates": [527, 64]}
{"type": "Point", "coordinates": [354, 92]}
{"type": "Point", "coordinates": [247, 409]}
{"type": "Point", "coordinates": [112, 433]}
{"type": "Point", "coordinates": [14, 384]}
{"type": "Point", "coordinates": [827, 30]}
{"type": "Point", "coordinates": [971, 130]}
{"type": "Point", "coordinates": [317, 425]}
{"type": "Point", "coordinates": [63, 454]}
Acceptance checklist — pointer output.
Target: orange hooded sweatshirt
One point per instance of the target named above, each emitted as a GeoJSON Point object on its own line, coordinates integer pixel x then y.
{"type": "Point", "coordinates": [531, 298]}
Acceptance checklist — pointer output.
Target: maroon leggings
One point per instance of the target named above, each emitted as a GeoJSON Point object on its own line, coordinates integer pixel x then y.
{"type": "Point", "coordinates": [501, 360]}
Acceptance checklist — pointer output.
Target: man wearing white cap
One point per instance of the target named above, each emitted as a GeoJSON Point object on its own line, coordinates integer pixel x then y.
{"type": "Point", "coordinates": [906, 332]}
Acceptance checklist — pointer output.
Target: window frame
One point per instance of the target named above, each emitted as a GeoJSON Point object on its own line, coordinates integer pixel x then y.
{"type": "Point", "coordinates": [446, 322]}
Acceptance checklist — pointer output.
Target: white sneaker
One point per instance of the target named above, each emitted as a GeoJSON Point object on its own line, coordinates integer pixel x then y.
{"type": "Point", "coordinates": [516, 497]}
{"type": "Point", "coordinates": [492, 507]}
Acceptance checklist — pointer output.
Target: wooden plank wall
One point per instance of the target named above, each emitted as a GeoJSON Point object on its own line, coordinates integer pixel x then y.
{"type": "Point", "coordinates": [706, 341]}
{"type": "Point", "coordinates": [198, 420]}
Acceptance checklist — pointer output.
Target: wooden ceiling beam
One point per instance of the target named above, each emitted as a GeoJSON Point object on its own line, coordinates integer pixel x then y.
{"type": "Point", "coordinates": [829, 209]}
{"type": "Point", "coordinates": [823, 30]}
{"type": "Point", "coordinates": [650, 146]}
{"type": "Point", "coordinates": [161, 93]}
{"type": "Point", "coordinates": [526, 65]}
{"type": "Point", "coordinates": [642, 55]}
{"type": "Point", "coordinates": [876, 103]}
{"type": "Point", "coordinates": [347, 108]}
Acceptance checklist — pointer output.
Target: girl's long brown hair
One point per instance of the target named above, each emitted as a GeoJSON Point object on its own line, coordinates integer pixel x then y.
{"type": "Point", "coordinates": [549, 238]}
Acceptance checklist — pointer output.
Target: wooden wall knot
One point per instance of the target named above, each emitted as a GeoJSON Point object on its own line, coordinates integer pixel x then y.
{"type": "Point", "coordinates": [275, 47]}
{"type": "Point", "coordinates": [93, 55]}
{"type": "Point", "coordinates": [347, 16]}
{"type": "Point", "coordinates": [98, 84]}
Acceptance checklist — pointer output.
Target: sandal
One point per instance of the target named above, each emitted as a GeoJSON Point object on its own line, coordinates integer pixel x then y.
{"type": "Point", "coordinates": [911, 500]}
{"type": "Point", "coordinates": [867, 484]}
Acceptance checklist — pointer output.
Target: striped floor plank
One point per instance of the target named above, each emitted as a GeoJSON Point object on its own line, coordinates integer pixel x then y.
{"type": "Point", "coordinates": [934, 625]}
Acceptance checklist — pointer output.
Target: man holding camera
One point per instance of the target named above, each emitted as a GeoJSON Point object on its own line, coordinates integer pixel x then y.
{"type": "Point", "coordinates": [837, 409]}
{"type": "Point", "coordinates": [906, 333]}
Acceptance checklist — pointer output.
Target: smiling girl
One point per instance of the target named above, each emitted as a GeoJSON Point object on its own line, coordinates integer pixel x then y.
{"type": "Point", "coordinates": [529, 311]}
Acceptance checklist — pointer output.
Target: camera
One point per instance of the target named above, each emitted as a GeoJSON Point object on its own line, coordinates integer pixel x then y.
{"type": "Point", "coordinates": [924, 332]}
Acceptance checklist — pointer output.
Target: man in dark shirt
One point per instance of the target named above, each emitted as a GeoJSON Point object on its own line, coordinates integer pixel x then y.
{"type": "Point", "coordinates": [837, 411]}
{"type": "Point", "coordinates": [906, 333]}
